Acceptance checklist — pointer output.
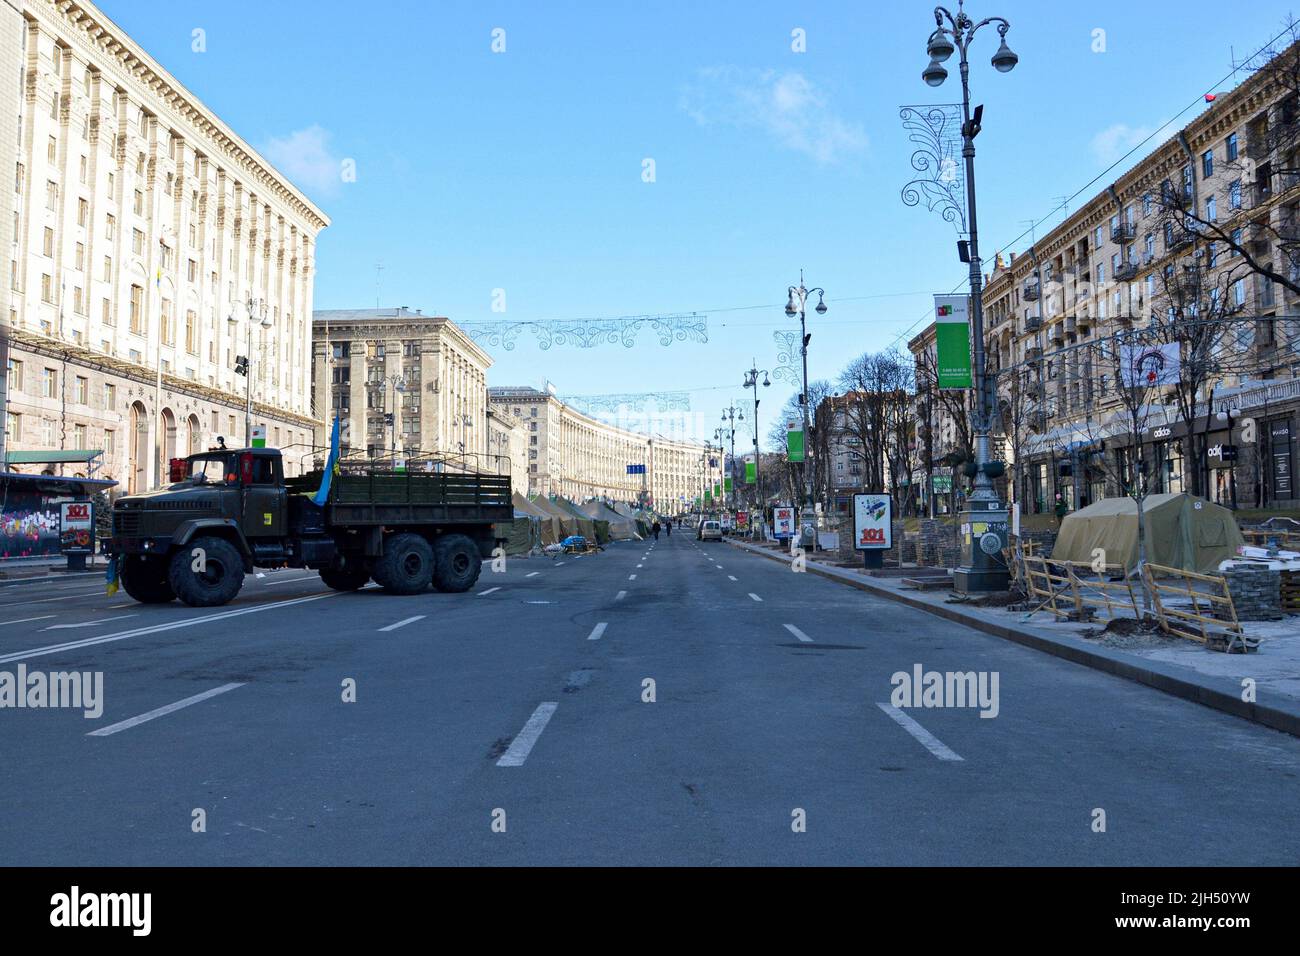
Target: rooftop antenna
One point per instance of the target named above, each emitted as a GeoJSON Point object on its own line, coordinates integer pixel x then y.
{"type": "Point", "coordinates": [379, 282]}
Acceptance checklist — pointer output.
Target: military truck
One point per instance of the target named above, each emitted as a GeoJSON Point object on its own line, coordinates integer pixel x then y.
{"type": "Point", "coordinates": [228, 511]}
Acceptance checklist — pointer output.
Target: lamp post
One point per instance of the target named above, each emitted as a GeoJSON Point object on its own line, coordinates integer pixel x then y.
{"type": "Point", "coordinates": [751, 381]}
{"type": "Point", "coordinates": [256, 309]}
{"type": "Point", "coordinates": [397, 384]}
{"type": "Point", "coordinates": [796, 305]}
{"type": "Point", "coordinates": [731, 415]}
{"type": "Point", "coordinates": [984, 517]}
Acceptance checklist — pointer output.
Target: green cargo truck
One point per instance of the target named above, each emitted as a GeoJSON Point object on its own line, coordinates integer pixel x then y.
{"type": "Point", "coordinates": [228, 511]}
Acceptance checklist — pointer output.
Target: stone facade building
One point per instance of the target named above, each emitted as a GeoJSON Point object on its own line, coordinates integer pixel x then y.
{"type": "Point", "coordinates": [578, 456]}
{"type": "Point", "coordinates": [404, 385]}
{"type": "Point", "coordinates": [148, 241]}
{"type": "Point", "coordinates": [1129, 254]}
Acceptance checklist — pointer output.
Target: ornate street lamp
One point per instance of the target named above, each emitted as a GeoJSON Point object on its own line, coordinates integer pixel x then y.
{"type": "Point", "coordinates": [796, 305]}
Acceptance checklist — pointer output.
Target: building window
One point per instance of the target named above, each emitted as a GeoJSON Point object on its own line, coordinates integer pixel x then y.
{"type": "Point", "coordinates": [47, 243]}
{"type": "Point", "coordinates": [110, 443]}
{"type": "Point", "coordinates": [47, 290]}
{"type": "Point", "coordinates": [51, 195]}
{"type": "Point", "coordinates": [110, 226]}
{"type": "Point", "coordinates": [137, 242]}
{"type": "Point", "coordinates": [1207, 164]}
{"type": "Point", "coordinates": [1146, 204]}
{"type": "Point", "coordinates": [13, 426]}
{"type": "Point", "coordinates": [15, 369]}
{"type": "Point", "coordinates": [110, 394]}
{"type": "Point", "coordinates": [1234, 194]}
{"type": "Point", "coordinates": [137, 310]}
{"type": "Point", "coordinates": [168, 327]}
{"type": "Point", "coordinates": [191, 332]}
{"type": "Point", "coordinates": [1211, 209]}
{"type": "Point", "coordinates": [81, 390]}
{"type": "Point", "coordinates": [49, 383]}
{"type": "Point", "coordinates": [1232, 146]}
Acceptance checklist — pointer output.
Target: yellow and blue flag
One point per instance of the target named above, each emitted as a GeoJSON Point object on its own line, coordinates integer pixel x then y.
{"type": "Point", "coordinates": [331, 466]}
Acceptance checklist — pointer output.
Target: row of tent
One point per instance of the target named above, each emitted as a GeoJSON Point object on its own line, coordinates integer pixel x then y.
{"type": "Point", "coordinates": [541, 521]}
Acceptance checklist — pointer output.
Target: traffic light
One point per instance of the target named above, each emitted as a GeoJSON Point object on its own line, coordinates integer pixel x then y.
{"type": "Point", "coordinates": [241, 364]}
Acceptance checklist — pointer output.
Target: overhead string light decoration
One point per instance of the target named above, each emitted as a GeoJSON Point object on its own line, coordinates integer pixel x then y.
{"type": "Point", "coordinates": [589, 333]}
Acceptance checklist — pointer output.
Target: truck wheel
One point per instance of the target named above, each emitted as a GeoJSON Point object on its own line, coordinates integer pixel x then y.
{"type": "Point", "coordinates": [145, 579]}
{"type": "Point", "coordinates": [406, 565]}
{"type": "Point", "coordinates": [458, 563]}
{"type": "Point", "coordinates": [344, 579]}
{"type": "Point", "coordinates": [219, 578]}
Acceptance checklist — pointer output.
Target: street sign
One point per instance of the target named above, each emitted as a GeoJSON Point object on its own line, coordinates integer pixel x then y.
{"type": "Point", "coordinates": [636, 469]}
{"type": "Point", "coordinates": [873, 525]}
{"type": "Point", "coordinates": [783, 522]}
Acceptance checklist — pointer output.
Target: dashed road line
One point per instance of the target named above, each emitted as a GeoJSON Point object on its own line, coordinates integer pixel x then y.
{"type": "Point", "coordinates": [532, 574]}
{"type": "Point", "coordinates": [631, 577]}
{"type": "Point", "coordinates": [620, 595]}
{"type": "Point", "coordinates": [798, 633]}
{"type": "Point", "coordinates": [162, 711]}
{"type": "Point", "coordinates": [733, 577]}
{"type": "Point", "coordinates": [402, 623]}
{"type": "Point", "coordinates": [523, 744]}
{"type": "Point", "coordinates": [489, 590]}
{"type": "Point", "coordinates": [24, 620]}
{"type": "Point", "coordinates": [102, 620]}
{"type": "Point", "coordinates": [927, 739]}
{"type": "Point", "coordinates": [755, 596]}
{"type": "Point", "coordinates": [598, 631]}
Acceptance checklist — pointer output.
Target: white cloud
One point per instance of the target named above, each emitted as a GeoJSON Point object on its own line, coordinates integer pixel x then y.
{"type": "Point", "coordinates": [1114, 141]}
{"type": "Point", "coordinates": [304, 157]}
{"type": "Point", "coordinates": [786, 106]}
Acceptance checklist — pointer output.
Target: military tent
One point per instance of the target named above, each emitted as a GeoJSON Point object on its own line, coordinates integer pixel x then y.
{"type": "Point", "coordinates": [621, 528]}
{"type": "Point", "coordinates": [586, 527]}
{"type": "Point", "coordinates": [568, 522]}
{"type": "Point", "coordinates": [548, 524]}
{"type": "Point", "coordinates": [1182, 531]}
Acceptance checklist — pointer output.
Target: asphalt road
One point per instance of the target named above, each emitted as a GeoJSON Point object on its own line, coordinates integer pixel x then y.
{"type": "Point", "coordinates": [523, 703]}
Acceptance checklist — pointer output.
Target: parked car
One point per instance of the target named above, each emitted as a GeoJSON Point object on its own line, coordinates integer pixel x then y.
{"type": "Point", "coordinates": [710, 531]}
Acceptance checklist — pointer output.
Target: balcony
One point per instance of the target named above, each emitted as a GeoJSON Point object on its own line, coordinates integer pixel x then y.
{"type": "Point", "coordinates": [1058, 333]}
{"type": "Point", "coordinates": [1070, 327]}
{"type": "Point", "coordinates": [1032, 292]}
{"type": "Point", "coordinates": [1033, 323]}
{"type": "Point", "coordinates": [1179, 238]}
{"type": "Point", "coordinates": [1124, 232]}
{"type": "Point", "coordinates": [1188, 282]}
{"type": "Point", "coordinates": [1126, 272]}
{"type": "Point", "coordinates": [1257, 146]}
{"type": "Point", "coordinates": [1084, 322]}
{"type": "Point", "coordinates": [1033, 355]}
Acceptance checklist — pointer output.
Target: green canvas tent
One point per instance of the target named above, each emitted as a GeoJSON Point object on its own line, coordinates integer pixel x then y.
{"type": "Point", "coordinates": [621, 528]}
{"type": "Point", "coordinates": [567, 520]}
{"type": "Point", "coordinates": [548, 525]}
{"type": "Point", "coordinates": [1182, 531]}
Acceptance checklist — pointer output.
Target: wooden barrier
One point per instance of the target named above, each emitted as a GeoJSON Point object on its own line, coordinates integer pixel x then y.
{"type": "Point", "coordinates": [1286, 540]}
{"type": "Point", "coordinates": [1207, 628]}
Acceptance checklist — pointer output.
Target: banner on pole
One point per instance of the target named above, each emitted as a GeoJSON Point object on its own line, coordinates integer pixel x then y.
{"type": "Point", "coordinates": [751, 472]}
{"type": "Point", "coordinates": [795, 445]}
{"type": "Point", "coordinates": [952, 341]}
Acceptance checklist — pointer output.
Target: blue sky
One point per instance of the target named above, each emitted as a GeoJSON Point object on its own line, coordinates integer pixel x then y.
{"type": "Point", "coordinates": [522, 170]}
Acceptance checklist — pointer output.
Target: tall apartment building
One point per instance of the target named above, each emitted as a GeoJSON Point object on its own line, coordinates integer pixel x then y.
{"type": "Point", "coordinates": [1128, 254]}
{"type": "Point", "coordinates": [405, 385]}
{"type": "Point", "coordinates": [141, 229]}
{"type": "Point", "coordinates": [578, 456]}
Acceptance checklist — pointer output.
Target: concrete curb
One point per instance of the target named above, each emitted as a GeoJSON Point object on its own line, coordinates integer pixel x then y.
{"type": "Point", "coordinates": [1220, 694]}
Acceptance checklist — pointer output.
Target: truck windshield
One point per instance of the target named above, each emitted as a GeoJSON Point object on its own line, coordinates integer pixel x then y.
{"type": "Point", "coordinates": [216, 470]}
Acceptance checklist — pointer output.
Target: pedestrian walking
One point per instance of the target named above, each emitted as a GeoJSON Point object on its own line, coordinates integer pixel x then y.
{"type": "Point", "coordinates": [668, 526]}
{"type": "Point", "coordinates": [655, 529]}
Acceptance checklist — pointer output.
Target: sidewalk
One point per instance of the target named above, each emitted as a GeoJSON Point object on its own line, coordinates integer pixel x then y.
{"type": "Point", "coordinates": [1173, 665]}
{"type": "Point", "coordinates": [17, 569]}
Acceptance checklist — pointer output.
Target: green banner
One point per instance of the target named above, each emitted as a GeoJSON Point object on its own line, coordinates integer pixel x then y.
{"type": "Point", "coordinates": [728, 485]}
{"type": "Point", "coordinates": [751, 472]}
{"type": "Point", "coordinates": [258, 437]}
{"type": "Point", "coordinates": [952, 341]}
{"type": "Point", "coordinates": [794, 445]}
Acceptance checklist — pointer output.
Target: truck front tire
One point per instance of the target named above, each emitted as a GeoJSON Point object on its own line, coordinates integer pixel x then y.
{"type": "Point", "coordinates": [458, 563]}
{"type": "Point", "coordinates": [406, 566]}
{"type": "Point", "coordinates": [208, 579]}
{"type": "Point", "coordinates": [145, 579]}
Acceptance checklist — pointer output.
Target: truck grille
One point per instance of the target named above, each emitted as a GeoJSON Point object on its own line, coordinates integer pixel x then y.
{"type": "Point", "coordinates": [126, 524]}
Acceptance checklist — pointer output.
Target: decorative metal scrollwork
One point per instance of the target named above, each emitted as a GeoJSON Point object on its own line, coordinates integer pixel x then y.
{"type": "Point", "coordinates": [636, 402]}
{"type": "Point", "coordinates": [788, 366]}
{"type": "Point", "coordinates": [589, 333]}
{"type": "Point", "coordinates": [935, 131]}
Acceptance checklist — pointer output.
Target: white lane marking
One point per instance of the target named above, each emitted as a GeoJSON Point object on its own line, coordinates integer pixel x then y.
{"type": "Point", "coordinates": [598, 631]}
{"type": "Point", "coordinates": [157, 628]}
{"type": "Point", "coordinates": [532, 574]}
{"type": "Point", "coordinates": [798, 633]}
{"type": "Point", "coordinates": [733, 577]}
{"type": "Point", "coordinates": [522, 745]}
{"type": "Point", "coordinates": [116, 607]}
{"type": "Point", "coordinates": [402, 623]}
{"type": "Point", "coordinates": [558, 563]}
{"type": "Point", "coordinates": [162, 711]}
{"type": "Point", "coordinates": [631, 577]}
{"type": "Point", "coordinates": [489, 590]}
{"type": "Point", "coordinates": [310, 577]}
{"type": "Point", "coordinates": [102, 620]}
{"type": "Point", "coordinates": [929, 740]}
{"type": "Point", "coordinates": [620, 595]}
{"type": "Point", "coordinates": [24, 620]}
{"type": "Point", "coordinates": [48, 577]}
{"type": "Point", "coordinates": [43, 600]}
{"type": "Point", "coordinates": [640, 565]}
{"type": "Point", "coordinates": [755, 596]}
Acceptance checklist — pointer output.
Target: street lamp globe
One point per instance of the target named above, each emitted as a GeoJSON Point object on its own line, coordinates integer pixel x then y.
{"type": "Point", "coordinates": [1004, 61]}
{"type": "Point", "coordinates": [790, 309]}
{"type": "Point", "coordinates": [940, 47]}
{"type": "Point", "coordinates": [934, 74]}
{"type": "Point", "coordinates": [821, 306]}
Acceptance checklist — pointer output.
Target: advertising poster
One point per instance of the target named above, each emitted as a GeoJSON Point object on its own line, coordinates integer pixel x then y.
{"type": "Point", "coordinates": [872, 522]}
{"type": "Point", "coordinates": [77, 527]}
{"type": "Point", "coordinates": [952, 340]}
{"type": "Point", "coordinates": [783, 522]}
